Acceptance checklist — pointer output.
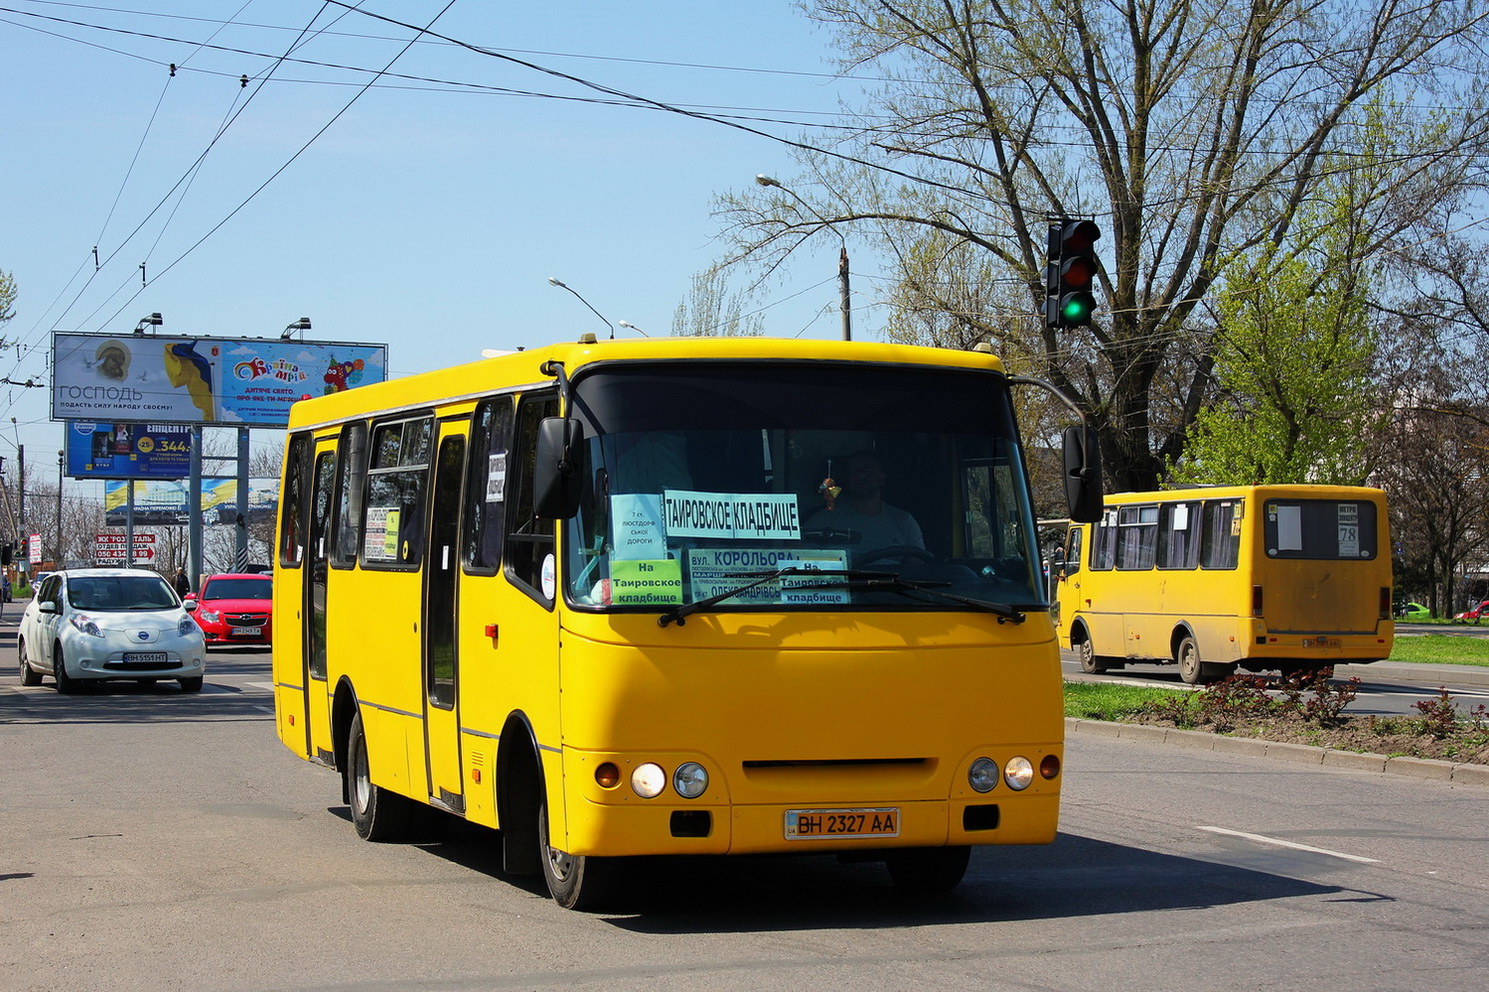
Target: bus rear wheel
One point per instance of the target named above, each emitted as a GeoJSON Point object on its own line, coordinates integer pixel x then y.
{"type": "Point", "coordinates": [377, 813]}
{"type": "Point", "coordinates": [1091, 663]}
{"type": "Point", "coordinates": [575, 881]}
{"type": "Point", "coordinates": [1192, 669]}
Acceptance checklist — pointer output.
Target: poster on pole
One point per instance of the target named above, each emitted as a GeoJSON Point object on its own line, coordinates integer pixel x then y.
{"type": "Point", "coordinates": [232, 382]}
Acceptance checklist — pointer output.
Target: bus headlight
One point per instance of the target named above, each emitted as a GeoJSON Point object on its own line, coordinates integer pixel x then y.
{"type": "Point", "coordinates": [648, 780]}
{"type": "Point", "coordinates": [983, 775]}
{"type": "Point", "coordinates": [1018, 773]}
{"type": "Point", "coordinates": [690, 780]}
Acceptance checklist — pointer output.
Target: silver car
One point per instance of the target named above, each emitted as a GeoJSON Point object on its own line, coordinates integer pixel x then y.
{"type": "Point", "coordinates": [91, 624]}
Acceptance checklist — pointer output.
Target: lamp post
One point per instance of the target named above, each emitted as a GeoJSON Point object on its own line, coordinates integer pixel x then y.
{"type": "Point", "coordinates": [608, 326]}
{"type": "Point", "coordinates": [151, 320]}
{"type": "Point", "coordinates": [61, 464]}
{"type": "Point", "coordinates": [632, 327]}
{"type": "Point", "coordinates": [844, 297]}
{"type": "Point", "coordinates": [302, 325]}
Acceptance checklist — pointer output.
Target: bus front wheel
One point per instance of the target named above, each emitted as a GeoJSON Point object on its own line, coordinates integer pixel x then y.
{"type": "Point", "coordinates": [928, 869]}
{"type": "Point", "coordinates": [377, 813]}
{"type": "Point", "coordinates": [1192, 669]}
{"type": "Point", "coordinates": [575, 881]}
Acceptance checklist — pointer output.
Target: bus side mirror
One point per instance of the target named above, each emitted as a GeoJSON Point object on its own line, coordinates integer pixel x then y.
{"type": "Point", "coordinates": [1082, 474]}
{"type": "Point", "coordinates": [556, 474]}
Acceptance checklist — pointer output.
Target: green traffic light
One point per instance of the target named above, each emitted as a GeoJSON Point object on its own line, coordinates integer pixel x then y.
{"type": "Point", "coordinates": [1076, 310]}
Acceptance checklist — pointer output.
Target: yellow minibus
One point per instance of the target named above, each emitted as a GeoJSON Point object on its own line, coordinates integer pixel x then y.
{"type": "Point", "coordinates": [681, 596]}
{"type": "Point", "coordinates": [1291, 578]}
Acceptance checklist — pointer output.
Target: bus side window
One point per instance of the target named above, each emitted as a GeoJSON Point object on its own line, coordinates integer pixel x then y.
{"type": "Point", "coordinates": [1178, 535]}
{"type": "Point", "coordinates": [1222, 535]}
{"type": "Point", "coordinates": [486, 486]}
{"type": "Point", "coordinates": [1104, 541]}
{"type": "Point", "coordinates": [529, 540]}
{"type": "Point", "coordinates": [351, 477]}
{"type": "Point", "coordinates": [394, 530]}
{"type": "Point", "coordinates": [1073, 550]}
{"type": "Point", "coordinates": [291, 505]}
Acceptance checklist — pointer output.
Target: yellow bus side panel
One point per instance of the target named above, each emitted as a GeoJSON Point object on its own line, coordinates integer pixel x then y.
{"type": "Point", "coordinates": [372, 639]}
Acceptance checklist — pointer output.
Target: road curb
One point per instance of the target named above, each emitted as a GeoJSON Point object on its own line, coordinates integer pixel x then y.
{"type": "Point", "coordinates": [1254, 747]}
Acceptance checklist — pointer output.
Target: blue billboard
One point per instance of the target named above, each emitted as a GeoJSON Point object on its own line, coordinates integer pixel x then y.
{"type": "Point", "coordinates": [98, 450]}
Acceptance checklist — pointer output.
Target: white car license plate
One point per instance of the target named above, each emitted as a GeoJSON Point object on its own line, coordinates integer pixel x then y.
{"type": "Point", "coordinates": [830, 824]}
{"type": "Point", "coordinates": [145, 657]}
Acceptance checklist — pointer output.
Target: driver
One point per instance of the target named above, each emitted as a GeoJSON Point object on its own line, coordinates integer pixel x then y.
{"type": "Point", "coordinates": [861, 508]}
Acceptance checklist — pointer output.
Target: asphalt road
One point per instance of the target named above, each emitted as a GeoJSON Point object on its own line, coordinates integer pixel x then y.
{"type": "Point", "coordinates": [156, 840]}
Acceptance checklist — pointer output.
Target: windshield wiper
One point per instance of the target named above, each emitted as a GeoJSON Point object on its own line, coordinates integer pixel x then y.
{"type": "Point", "coordinates": [681, 613]}
{"type": "Point", "coordinates": [893, 583]}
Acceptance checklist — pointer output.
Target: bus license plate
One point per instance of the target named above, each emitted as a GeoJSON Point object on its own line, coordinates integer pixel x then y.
{"type": "Point", "coordinates": [828, 824]}
{"type": "Point", "coordinates": [144, 657]}
{"type": "Point", "coordinates": [1321, 642]}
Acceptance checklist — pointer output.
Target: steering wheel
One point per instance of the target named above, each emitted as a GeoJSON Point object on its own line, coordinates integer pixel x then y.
{"type": "Point", "coordinates": [901, 551]}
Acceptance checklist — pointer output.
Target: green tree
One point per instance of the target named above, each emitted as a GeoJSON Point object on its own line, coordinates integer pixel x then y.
{"type": "Point", "coordinates": [1295, 363]}
{"type": "Point", "coordinates": [1194, 131]}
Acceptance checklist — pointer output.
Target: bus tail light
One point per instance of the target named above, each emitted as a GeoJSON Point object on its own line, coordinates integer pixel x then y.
{"type": "Point", "coordinates": [1385, 602]}
{"type": "Point", "coordinates": [1256, 601]}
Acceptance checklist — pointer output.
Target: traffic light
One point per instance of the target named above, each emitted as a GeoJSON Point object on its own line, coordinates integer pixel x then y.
{"type": "Point", "coordinates": [1070, 273]}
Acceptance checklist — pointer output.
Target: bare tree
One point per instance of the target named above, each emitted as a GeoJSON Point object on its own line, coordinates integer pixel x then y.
{"type": "Point", "coordinates": [1194, 130]}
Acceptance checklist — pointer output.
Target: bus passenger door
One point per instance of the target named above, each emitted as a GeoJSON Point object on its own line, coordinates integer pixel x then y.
{"type": "Point", "coordinates": [441, 663]}
{"type": "Point", "coordinates": [315, 573]}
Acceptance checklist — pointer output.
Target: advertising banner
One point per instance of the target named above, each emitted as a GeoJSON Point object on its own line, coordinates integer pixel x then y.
{"type": "Point", "coordinates": [247, 382]}
{"type": "Point", "coordinates": [158, 504]}
{"type": "Point", "coordinates": [127, 451]}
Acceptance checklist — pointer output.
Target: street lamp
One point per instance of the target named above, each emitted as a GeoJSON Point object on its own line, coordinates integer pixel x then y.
{"type": "Point", "coordinates": [611, 327]}
{"type": "Point", "coordinates": [153, 320]}
{"type": "Point", "coordinates": [632, 327]}
{"type": "Point", "coordinates": [303, 324]}
{"type": "Point", "coordinates": [844, 299]}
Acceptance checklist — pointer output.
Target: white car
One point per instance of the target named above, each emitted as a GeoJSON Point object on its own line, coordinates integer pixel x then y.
{"type": "Point", "coordinates": [90, 624]}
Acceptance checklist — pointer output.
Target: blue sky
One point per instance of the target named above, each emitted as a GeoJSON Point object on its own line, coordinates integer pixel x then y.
{"type": "Point", "coordinates": [426, 216]}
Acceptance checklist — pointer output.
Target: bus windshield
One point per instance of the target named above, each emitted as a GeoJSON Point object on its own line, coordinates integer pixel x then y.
{"type": "Point", "coordinates": [827, 485]}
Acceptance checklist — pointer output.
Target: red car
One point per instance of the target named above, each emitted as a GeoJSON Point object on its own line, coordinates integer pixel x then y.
{"type": "Point", "coordinates": [234, 609]}
{"type": "Point", "coordinates": [1474, 615]}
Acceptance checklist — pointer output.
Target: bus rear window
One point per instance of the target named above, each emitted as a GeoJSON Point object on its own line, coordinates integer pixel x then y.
{"type": "Point", "coordinates": [1318, 529]}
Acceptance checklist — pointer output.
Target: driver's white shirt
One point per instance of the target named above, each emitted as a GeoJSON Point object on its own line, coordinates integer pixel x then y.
{"type": "Point", "coordinates": [890, 527]}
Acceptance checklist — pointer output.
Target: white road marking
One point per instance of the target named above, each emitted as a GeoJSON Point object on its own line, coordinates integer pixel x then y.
{"type": "Point", "coordinates": [1260, 839]}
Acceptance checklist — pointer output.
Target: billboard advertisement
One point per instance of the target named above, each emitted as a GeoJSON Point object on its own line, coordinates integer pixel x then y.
{"type": "Point", "coordinates": [127, 451]}
{"type": "Point", "coordinates": [228, 382]}
{"type": "Point", "coordinates": [163, 504]}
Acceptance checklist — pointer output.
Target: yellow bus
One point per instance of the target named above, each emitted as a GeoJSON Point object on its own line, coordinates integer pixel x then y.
{"type": "Point", "coordinates": [682, 596]}
{"type": "Point", "coordinates": [1290, 578]}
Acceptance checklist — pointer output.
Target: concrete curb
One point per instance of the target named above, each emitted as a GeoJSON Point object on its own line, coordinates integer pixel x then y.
{"type": "Point", "coordinates": [1305, 754]}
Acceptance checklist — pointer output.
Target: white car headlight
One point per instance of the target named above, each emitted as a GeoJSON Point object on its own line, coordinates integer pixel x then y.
{"type": "Point", "coordinates": [1018, 773]}
{"type": "Point", "coordinates": [85, 625]}
{"type": "Point", "coordinates": [648, 780]}
{"type": "Point", "coordinates": [187, 627]}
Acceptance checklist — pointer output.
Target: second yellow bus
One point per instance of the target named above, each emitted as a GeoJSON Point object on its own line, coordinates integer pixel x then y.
{"type": "Point", "coordinates": [1285, 578]}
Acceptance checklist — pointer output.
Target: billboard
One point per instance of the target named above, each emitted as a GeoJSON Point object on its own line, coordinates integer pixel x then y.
{"type": "Point", "coordinates": [228, 382]}
{"type": "Point", "coordinates": [127, 451]}
{"type": "Point", "coordinates": [162, 504]}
